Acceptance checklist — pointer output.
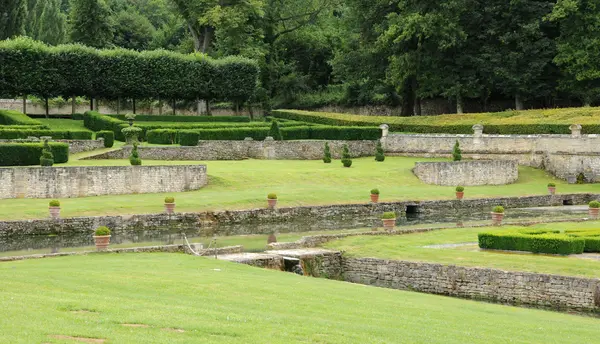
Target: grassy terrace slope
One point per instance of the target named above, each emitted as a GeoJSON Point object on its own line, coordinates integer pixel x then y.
{"type": "Point", "coordinates": [411, 247]}
{"type": "Point", "coordinates": [523, 122]}
{"type": "Point", "coordinates": [245, 184]}
{"type": "Point", "coordinates": [184, 299]}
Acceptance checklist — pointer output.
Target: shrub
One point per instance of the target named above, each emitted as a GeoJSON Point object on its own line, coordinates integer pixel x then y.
{"type": "Point", "coordinates": [327, 154]}
{"type": "Point", "coordinates": [54, 203]}
{"type": "Point", "coordinates": [23, 154]}
{"type": "Point", "coordinates": [374, 191]}
{"type": "Point", "coordinates": [271, 196]}
{"type": "Point", "coordinates": [538, 243]}
{"type": "Point", "coordinates": [108, 136]}
{"type": "Point", "coordinates": [456, 153]}
{"type": "Point", "coordinates": [594, 204]}
{"type": "Point", "coordinates": [13, 133]}
{"type": "Point", "coordinates": [185, 119]}
{"type": "Point", "coordinates": [388, 215]}
{"type": "Point", "coordinates": [188, 138]}
{"type": "Point", "coordinates": [102, 231]}
{"type": "Point", "coordinates": [132, 134]}
{"type": "Point", "coordinates": [346, 161]}
{"type": "Point", "coordinates": [47, 158]}
{"type": "Point", "coordinates": [10, 117]}
{"type": "Point", "coordinates": [169, 199]}
{"type": "Point", "coordinates": [275, 132]}
{"type": "Point", "coordinates": [551, 185]}
{"type": "Point", "coordinates": [379, 155]}
{"type": "Point", "coordinates": [498, 209]}
{"type": "Point", "coordinates": [162, 136]}
{"type": "Point", "coordinates": [134, 158]}
{"type": "Point", "coordinates": [460, 189]}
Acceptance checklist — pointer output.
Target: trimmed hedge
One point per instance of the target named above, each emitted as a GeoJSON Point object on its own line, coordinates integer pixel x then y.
{"type": "Point", "coordinates": [24, 154]}
{"type": "Point", "coordinates": [97, 122]}
{"type": "Point", "coordinates": [188, 138]}
{"type": "Point", "coordinates": [55, 134]}
{"type": "Point", "coordinates": [449, 124]}
{"type": "Point", "coordinates": [170, 136]}
{"type": "Point", "coordinates": [9, 117]}
{"type": "Point", "coordinates": [108, 136]}
{"type": "Point", "coordinates": [591, 237]}
{"type": "Point", "coordinates": [184, 119]}
{"type": "Point", "coordinates": [550, 243]}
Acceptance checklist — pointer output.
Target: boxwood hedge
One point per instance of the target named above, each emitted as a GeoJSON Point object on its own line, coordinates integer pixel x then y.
{"type": "Point", "coordinates": [55, 134]}
{"type": "Point", "coordinates": [10, 117]}
{"type": "Point", "coordinates": [161, 118]}
{"type": "Point", "coordinates": [24, 154]}
{"type": "Point", "coordinates": [108, 136]}
{"type": "Point", "coordinates": [540, 242]}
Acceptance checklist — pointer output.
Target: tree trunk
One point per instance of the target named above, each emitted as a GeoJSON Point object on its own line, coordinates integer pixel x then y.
{"type": "Point", "coordinates": [73, 105]}
{"type": "Point", "coordinates": [417, 107]}
{"type": "Point", "coordinates": [133, 102]}
{"type": "Point", "coordinates": [459, 104]}
{"type": "Point", "coordinates": [237, 108]}
{"type": "Point", "coordinates": [118, 105]}
{"type": "Point", "coordinates": [207, 39]}
{"type": "Point", "coordinates": [160, 106]}
{"type": "Point", "coordinates": [47, 110]}
{"type": "Point", "coordinates": [91, 103]}
{"type": "Point", "coordinates": [195, 38]}
{"type": "Point", "coordinates": [518, 102]}
{"type": "Point", "coordinates": [408, 98]}
{"type": "Point", "coordinates": [198, 107]}
{"type": "Point", "coordinates": [173, 107]}
{"type": "Point", "coordinates": [24, 104]}
{"type": "Point", "coordinates": [208, 110]}
{"type": "Point", "coordinates": [250, 111]}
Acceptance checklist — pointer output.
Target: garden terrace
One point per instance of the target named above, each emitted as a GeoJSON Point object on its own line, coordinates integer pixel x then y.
{"type": "Point", "coordinates": [136, 314]}
{"type": "Point", "coordinates": [459, 247]}
{"type": "Point", "coordinates": [552, 121]}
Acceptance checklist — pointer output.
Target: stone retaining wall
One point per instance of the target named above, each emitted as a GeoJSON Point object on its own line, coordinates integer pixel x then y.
{"type": "Point", "coordinates": [468, 173]}
{"type": "Point", "coordinates": [75, 146]}
{"type": "Point", "coordinates": [266, 220]}
{"type": "Point", "coordinates": [239, 150]}
{"type": "Point", "coordinates": [560, 292]}
{"type": "Point", "coordinates": [62, 182]}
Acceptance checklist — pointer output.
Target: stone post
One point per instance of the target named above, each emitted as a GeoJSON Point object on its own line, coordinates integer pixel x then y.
{"type": "Point", "coordinates": [575, 130]}
{"type": "Point", "coordinates": [385, 129]}
{"type": "Point", "coordinates": [477, 133]}
{"type": "Point", "coordinates": [269, 148]}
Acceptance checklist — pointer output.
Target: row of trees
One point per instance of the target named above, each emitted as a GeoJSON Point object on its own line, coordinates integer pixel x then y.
{"type": "Point", "coordinates": [28, 67]}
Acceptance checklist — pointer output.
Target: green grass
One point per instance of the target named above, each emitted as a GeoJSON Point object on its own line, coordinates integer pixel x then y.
{"type": "Point", "coordinates": [63, 124]}
{"type": "Point", "coordinates": [219, 302]}
{"type": "Point", "coordinates": [245, 184]}
{"type": "Point", "coordinates": [410, 247]}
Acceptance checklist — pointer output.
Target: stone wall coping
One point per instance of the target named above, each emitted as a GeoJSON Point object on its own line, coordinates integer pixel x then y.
{"type": "Point", "coordinates": [98, 167]}
{"type": "Point", "coordinates": [565, 136]}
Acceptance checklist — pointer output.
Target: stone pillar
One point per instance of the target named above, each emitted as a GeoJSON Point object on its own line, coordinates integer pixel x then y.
{"type": "Point", "coordinates": [477, 133]}
{"type": "Point", "coordinates": [384, 130]}
{"type": "Point", "coordinates": [575, 130]}
{"type": "Point", "coordinates": [269, 148]}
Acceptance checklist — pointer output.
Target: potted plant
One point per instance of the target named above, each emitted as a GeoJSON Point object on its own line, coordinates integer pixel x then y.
{"type": "Point", "coordinates": [54, 208]}
{"type": "Point", "coordinates": [272, 200]}
{"type": "Point", "coordinates": [102, 238]}
{"type": "Point", "coordinates": [389, 220]}
{"type": "Point", "coordinates": [552, 188]}
{"type": "Point", "coordinates": [497, 215]}
{"type": "Point", "coordinates": [594, 208]}
{"type": "Point", "coordinates": [374, 195]}
{"type": "Point", "coordinates": [272, 238]}
{"type": "Point", "coordinates": [460, 192]}
{"type": "Point", "coordinates": [170, 205]}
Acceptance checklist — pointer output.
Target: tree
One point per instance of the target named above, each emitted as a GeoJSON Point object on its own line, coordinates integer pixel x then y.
{"type": "Point", "coordinates": [134, 158]}
{"type": "Point", "coordinates": [379, 155]}
{"type": "Point", "coordinates": [13, 15]}
{"type": "Point", "coordinates": [47, 158]}
{"type": "Point", "coordinates": [456, 153]}
{"type": "Point", "coordinates": [346, 161]}
{"type": "Point", "coordinates": [327, 154]}
{"type": "Point", "coordinates": [132, 31]}
{"type": "Point", "coordinates": [274, 131]}
{"type": "Point", "coordinates": [51, 24]}
{"type": "Point", "coordinates": [578, 55]}
{"type": "Point", "coordinates": [90, 23]}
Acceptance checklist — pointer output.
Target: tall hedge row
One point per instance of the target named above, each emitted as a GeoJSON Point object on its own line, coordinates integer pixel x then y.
{"type": "Point", "coordinates": [24, 154]}
{"type": "Point", "coordinates": [31, 67]}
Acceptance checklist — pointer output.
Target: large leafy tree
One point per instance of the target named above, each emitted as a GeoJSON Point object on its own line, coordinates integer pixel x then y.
{"type": "Point", "coordinates": [579, 47]}
{"type": "Point", "coordinates": [91, 23]}
{"type": "Point", "coordinates": [51, 26]}
{"type": "Point", "coordinates": [132, 31]}
{"type": "Point", "coordinates": [13, 15]}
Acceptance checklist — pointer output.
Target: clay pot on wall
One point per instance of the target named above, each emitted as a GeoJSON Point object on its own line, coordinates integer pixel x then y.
{"type": "Point", "coordinates": [102, 242]}
{"type": "Point", "coordinates": [551, 188]}
{"type": "Point", "coordinates": [54, 212]}
{"type": "Point", "coordinates": [460, 195]}
{"type": "Point", "coordinates": [272, 200]}
{"type": "Point", "coordinates": [593, 212]}
{"type": "Point", "coordinates": [170, 208]}
{"type": "Point", "coordinates": [374, 198]}
{"type": "Point", "coordinates": [389, 220]}
{"type": "Point", "coordinates": [497, 215]}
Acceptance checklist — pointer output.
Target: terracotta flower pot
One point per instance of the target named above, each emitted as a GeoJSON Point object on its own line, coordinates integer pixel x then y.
{"type": "Point", "coordinates": [497, 218]}
{"type": "Point", "coordinates": [460, 195]}
{"type": "Point", "coordinates": [374, 198]}
{"type": "Point", "coordinates": [272, 203]}
{"type": "Point", "coordinates": [593, 212]}
{"type": "Point", "coordinates": [102, 242]}
{"type": "Point", "coordinates": [54, 212]}
{"type": "Point", "coordinates": [551, 190]}
{"type": "Point", "coordinates": [170, 208]}
{"type": "Point", "coordinates": [389, 224]}
{"type": "Point", "coordinates": [271, 239]}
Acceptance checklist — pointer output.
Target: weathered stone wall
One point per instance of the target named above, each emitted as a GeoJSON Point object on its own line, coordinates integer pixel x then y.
{"type": "Point", "coordinates": [239, 150]}
{"type": "Point", "coordinates": [468, 173]}
{"type": "Point", "coordinates": [61, 182]}
{"type": "Point", "coordinates": [554, 291]}
{"type": "Point", "coordinates": [75, 146]}
{"type": "Point", "coordinates": [267, 220]}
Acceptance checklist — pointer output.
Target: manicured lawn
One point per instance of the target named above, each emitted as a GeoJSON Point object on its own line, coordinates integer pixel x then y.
{"type": "Point", "coordinates": [245, 184]}
{"type": "Point", "coordinates": [63, 124]}
{"type": "Point", "coordinates": [176, 298]}
{"type": "Point", "coordinates": [411, 247]}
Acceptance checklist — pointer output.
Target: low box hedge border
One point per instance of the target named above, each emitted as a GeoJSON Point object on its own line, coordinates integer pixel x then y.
{"type": "Point", "coordinates": [8, 134]}
{"type": "Point", "coordinates": [25, 154]}
{"type": "Point", "coordinates": [550, 243]}
{"type": "Point", "coordinates": [11, 117]}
